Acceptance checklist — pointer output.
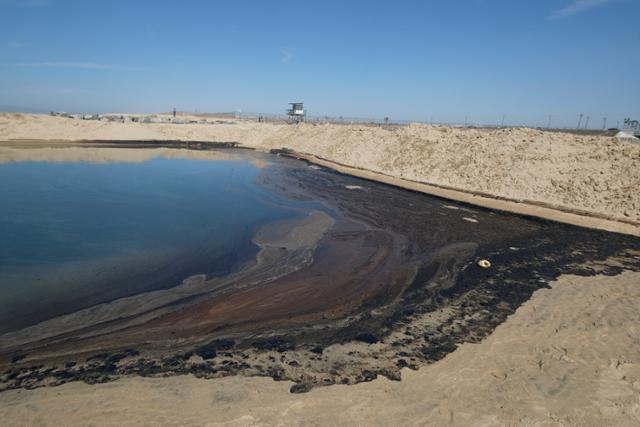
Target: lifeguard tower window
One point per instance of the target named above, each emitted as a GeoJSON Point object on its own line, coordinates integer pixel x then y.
{"type": "Point", "coordinates": [296, 113]}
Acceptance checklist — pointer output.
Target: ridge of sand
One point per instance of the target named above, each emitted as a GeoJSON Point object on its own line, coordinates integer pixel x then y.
{"type": "Point", "coordinates": [568, 356]}
{"type": "Point", "coordinates": [525, 207]}
{"type": "Point", "coordinates": [596, 174]}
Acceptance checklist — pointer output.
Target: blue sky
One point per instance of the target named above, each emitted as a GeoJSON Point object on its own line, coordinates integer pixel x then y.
{"type": "Point", "coordinates": [414, 60]}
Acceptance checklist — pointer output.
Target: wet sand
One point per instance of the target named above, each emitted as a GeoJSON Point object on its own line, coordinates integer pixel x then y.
{"type": "Point", "coordinates": [376, 280]}
{"type": "Point", "coordinates": [567, 357]}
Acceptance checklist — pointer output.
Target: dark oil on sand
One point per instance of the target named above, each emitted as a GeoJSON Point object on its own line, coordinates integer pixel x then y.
{"type": "Point", "coordinates": [374, 279]}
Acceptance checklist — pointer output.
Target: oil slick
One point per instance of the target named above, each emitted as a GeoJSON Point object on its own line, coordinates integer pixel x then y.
{"type": "Point", "coordinates": [338, 286]}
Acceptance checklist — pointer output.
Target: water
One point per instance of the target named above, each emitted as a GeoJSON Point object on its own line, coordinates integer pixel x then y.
{"type": "Point", "coordinates": [76, 234]}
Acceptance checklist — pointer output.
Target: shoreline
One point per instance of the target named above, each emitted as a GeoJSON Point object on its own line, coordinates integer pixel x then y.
{"type": "Point", "coordinates": [596, 174]}
{"type": "Point", "coordinates": [534, 369]}
{"type": "Point", "coordinates": [530, 208]}
{"type": "Point", "coordinates": [393, 284]}
{"type": "Point", "coordinates": [521, 207]}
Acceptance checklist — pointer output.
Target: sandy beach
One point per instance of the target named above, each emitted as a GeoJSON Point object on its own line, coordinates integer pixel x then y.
{"type": "Point", "coordinates": [567, 356]}
{"type": "Point", "coordinates": [594, 174]}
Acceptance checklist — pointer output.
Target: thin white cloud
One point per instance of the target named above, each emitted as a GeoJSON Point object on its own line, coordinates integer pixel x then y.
{"type": "Point", "coordinates": [578, 6]}
{"type": "Point", "coordinates": [79, 65]}
{"type": "Point", "coordinates": [285, 55]}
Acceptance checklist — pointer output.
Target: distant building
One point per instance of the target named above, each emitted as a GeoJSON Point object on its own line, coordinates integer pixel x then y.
{"type": "Point", "coordinates": [296, 113]}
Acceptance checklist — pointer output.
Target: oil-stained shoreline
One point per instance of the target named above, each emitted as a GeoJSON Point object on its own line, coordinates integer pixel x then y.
{"type": "Point", "coordinates": [415, 295]}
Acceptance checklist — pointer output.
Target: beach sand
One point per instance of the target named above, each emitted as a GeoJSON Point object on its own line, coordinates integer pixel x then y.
{"type": "Point", "coordinates": [569, 356]}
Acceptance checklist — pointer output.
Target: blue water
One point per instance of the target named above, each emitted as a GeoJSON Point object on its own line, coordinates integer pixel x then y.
{"type": "Point", "coordinates": [76, 234]}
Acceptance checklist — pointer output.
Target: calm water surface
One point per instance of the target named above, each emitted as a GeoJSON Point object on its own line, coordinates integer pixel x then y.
{"type": "Point", "coordinates": [76, 234]}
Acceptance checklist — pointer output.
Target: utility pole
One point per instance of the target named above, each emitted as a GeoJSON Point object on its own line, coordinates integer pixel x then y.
{"type": "Point", "coordinates": [465, 121]}
{"type": "Point", "coordinates": [549, 122]}
{"type": "Point", "coordinates": [618, 124]}
{"type": "Point", "coordinates": [580, 119]}
{"type": "Point", "coordinates": [586, 123]}
{"type": "Point", "coordinates": [604, 123]}
{"type": "Point", "coordinates": [502, 125]}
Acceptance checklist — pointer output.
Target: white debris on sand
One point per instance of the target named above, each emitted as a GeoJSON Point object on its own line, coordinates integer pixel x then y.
{"type": "Point", "coordinates": [627, 137]}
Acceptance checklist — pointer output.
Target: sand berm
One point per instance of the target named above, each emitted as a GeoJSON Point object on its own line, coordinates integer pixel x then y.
{"type": "Point", "coordinates": [598, 175]}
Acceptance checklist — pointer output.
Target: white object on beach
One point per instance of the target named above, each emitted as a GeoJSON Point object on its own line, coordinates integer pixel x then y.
{"type": "Point", "coordinates": [353, 187]}
{"type": "Point", "coordinates": [626, 135]}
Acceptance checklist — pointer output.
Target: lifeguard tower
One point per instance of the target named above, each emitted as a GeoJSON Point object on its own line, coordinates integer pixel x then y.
{"type": "Point", "coordinates": [296, 113]}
